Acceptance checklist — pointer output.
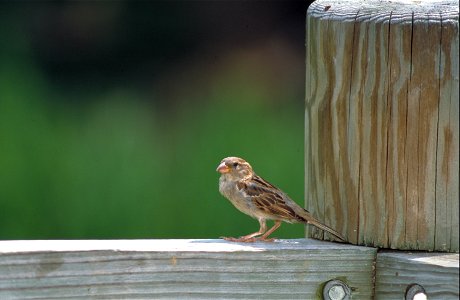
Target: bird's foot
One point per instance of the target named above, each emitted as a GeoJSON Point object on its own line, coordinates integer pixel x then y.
{"type": "Point", "coordinates": [240, 239]}
{"type": "Point", "coordinates": [230, 239]}
{"type": "Point", "coordinates": [248, 239]}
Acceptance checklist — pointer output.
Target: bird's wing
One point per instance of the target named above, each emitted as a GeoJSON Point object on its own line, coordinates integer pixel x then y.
{"type": "Point", "coordinates": [268, 198]}
{"type": "Point", "coordinates": [279, 206]}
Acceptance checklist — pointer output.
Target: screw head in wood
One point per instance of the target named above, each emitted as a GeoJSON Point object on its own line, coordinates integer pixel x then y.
{"type": "Point", "coordinates": [336, 290]}
{"type": "Point", "coordinates": [415, 292]}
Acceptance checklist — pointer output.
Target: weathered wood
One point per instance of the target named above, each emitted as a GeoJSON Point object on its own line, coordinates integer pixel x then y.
{"type": "Point", "coordinates": [437, 273]}
{"type": "Point", "coordinates": [382, 114]}
{"type": "Point", "coordinates": [192, 269]}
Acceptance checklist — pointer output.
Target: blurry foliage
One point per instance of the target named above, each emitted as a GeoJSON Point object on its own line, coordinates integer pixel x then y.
{"type": "Point", "coordinates": [90, 154]}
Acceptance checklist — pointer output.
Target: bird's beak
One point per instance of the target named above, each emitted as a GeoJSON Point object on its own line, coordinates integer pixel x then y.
{"type": "Point", "coordinates": [223, 168]}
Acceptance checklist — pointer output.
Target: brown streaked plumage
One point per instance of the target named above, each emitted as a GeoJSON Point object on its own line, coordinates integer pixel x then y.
{"type": "Point", "coordinates": [256, 197]}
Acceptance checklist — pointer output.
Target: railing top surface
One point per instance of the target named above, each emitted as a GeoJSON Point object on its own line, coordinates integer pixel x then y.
{"type": "Point", "coordinates": [167, 245]}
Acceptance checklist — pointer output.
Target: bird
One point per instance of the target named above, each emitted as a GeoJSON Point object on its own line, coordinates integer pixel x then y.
{"type": "Point", "coordinates": [256, 197]}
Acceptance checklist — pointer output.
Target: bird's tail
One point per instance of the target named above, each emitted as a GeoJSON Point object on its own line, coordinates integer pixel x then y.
{"type": "Point", "coordinates": [321, 226]}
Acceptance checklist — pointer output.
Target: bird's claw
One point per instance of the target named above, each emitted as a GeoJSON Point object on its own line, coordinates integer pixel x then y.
{"type": "Point", "coordinates": [238, 240]}
{"type": "Point", "coordinates": [248, 239]}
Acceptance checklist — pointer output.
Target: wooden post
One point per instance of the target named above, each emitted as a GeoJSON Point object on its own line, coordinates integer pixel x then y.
{"type": "Point", "coordinates": [382, 121]}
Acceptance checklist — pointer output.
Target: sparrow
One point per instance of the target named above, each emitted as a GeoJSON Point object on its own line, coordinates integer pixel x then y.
{"type": "Point", "coordinates": [256, 197]}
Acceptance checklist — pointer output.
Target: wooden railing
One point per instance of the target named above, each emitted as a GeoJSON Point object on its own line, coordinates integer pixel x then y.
{"type": "Point", "coordinates": [213, 269]}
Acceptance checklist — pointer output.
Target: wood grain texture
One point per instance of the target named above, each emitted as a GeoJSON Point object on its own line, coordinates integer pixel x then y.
{"type": "Point", "coordinates": [381, 123]}
{"type": "Point", "coordinates": [437, 273]}
{"type": "Point", "coordinates": [178, 269]}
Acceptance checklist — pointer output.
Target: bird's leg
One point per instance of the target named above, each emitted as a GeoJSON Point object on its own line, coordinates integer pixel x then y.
{"type": "Point", "coordinates": [250, 237]}
{"type": "Point", "coordinates": [270, 231]}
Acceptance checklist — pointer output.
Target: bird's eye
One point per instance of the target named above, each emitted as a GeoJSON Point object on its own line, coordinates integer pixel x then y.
{"type": "Point", "coordinates": [235, 164]}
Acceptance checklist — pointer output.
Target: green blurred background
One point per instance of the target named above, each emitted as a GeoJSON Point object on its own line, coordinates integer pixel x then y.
{"type": "Point", "coordinates": [115, 115]}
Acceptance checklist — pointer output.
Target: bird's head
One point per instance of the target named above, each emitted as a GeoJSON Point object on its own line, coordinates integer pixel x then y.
{"type": "Point", "coordinates": [236, 168]}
